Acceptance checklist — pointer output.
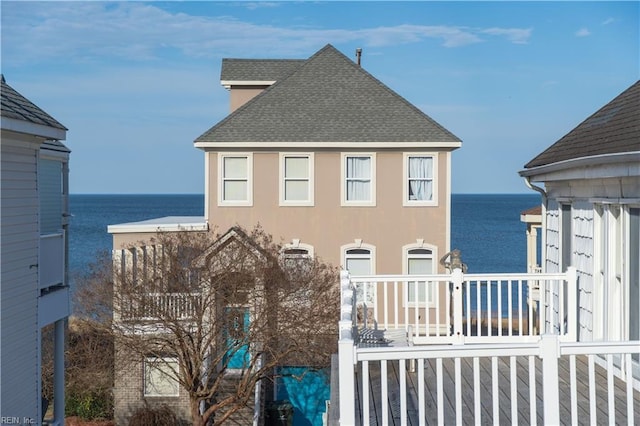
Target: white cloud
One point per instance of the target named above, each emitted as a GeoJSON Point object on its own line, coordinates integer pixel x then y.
{"type": "Point", "coordinates": [608, 21]}
{"type": "Point", "coordinates": [583, 32]}
{"type": "Point", "coordinates": [514, 35]}
{"type": "Point", "coordinates": [136, 31]}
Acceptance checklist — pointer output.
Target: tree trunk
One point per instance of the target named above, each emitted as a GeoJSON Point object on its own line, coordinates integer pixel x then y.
{"type": "Point", "coordinates": [196, 418]}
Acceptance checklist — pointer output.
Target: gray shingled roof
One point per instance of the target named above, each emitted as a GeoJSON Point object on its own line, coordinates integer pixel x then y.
{"type": "Point", "coordinates": [613, 129]}
{"type": "Point", "coordinates": [257, 69]}
{"type": "Point", "coordinates": [328, 98]}
{"type": "Point", "coordinates": [16, 106]}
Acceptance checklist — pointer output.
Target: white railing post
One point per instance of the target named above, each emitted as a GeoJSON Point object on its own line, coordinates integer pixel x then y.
{"type": "Point", "coordinates": [346, 351]}
{"type": "Point", "coordinates": [457, 278]}
{"type": "Point", "coordinates": [550, 352]}
{"type": "Point", "coordinates": [572, 304]}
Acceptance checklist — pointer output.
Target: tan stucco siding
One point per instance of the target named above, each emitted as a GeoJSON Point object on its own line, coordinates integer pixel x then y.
{"type": "Point", "coordinates": [238, 96]}
{"type": "Point", "coordinates": [328, 225]}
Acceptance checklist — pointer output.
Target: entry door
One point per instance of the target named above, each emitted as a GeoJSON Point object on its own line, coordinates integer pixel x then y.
{"type": "Point", "coordinates": [236, 337]}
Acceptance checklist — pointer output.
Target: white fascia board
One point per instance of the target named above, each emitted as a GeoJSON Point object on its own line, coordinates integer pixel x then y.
{"type": "Point", "coordinates": [228, 83]}
{"type": "Point", "coordinates": [592, 167]}
{"type": "Point", "coordinates": [337, 145]}
{"type": "Point", "coordinates": [531, 218]}
{"type": "Point", "coordinates": [163, 224]}
{"type": "Point", "coordinates": [26, 127]}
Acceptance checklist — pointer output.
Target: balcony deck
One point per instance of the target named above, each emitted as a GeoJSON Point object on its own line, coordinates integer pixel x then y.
{"type": "Point", "coordinates": [476, 363]}
{"type": "Point", "coordinates": [506, 413]}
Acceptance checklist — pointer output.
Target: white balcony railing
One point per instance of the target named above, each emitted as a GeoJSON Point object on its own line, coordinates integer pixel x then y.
{"type": "Point", "coordinates": [160, 306]}
{"type": "Point", "coordinates": [458, 307]}
{"type": "Point", "coordinates": [476, 349]}
{"type": "Point", "coordinates": [51, 260]}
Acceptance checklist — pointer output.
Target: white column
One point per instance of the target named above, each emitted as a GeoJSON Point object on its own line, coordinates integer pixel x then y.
{"type": "Point", "coordinates": [58, 372]}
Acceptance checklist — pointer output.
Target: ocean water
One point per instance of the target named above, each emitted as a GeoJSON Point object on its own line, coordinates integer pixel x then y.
{"type": "Point", "coordinates": [485, 227]}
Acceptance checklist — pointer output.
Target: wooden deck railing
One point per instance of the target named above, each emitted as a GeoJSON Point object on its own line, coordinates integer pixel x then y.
{"type": "Point", "coordinates": [160, 306]}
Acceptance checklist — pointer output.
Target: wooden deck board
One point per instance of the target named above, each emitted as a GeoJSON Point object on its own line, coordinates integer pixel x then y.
{"type": "Point", "coordinates": [486, 393]}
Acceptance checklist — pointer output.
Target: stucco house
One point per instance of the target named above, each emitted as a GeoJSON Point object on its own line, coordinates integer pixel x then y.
{"type": "Point", "coordinates": [329, 160]}
{"type": "Point", "coordinates": [34, 289]}
{"type": "Point", "coordinates": [591, 215]}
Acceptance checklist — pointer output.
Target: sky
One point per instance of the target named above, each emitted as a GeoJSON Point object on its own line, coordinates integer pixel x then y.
{"type": "Point", "coordinates": [137, 82]}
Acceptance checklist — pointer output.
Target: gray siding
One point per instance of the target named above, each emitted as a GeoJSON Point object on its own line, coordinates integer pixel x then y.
{"type": "Point", "coordinates": [18, 315]}
{"type": "Point", "coordinates": [583, 260]}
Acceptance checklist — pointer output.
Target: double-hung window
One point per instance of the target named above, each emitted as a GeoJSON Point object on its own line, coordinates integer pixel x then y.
{"type": "Point", "coordinates": [235, 185]}
{"type": "Point", "coordinates": [296, 179]}
{"type": "Point", "coordinates": [358, 179]}
{"type": "Point", "coordinates": [419, 261]}
{"type": "Point", "coordinates": [420, 187]}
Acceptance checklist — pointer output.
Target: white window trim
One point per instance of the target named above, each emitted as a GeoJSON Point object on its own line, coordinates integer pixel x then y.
{"type": "Point", "coordinates": [281, 178]}
{"type": "Point", "coordinates": [343, 175]}
{"type": "Point", "coordinates": [419, 244]}
{"type": "Point", "coordinates": [405, 180]}
{"type": "Point", "coordinates": [296, 244]}
{"type": "Point", "coordinates": [358, 244]}
{"type": "Point", "coordinates": [249, 201]}
{"type": "Point", "coordinates": [149, 363]}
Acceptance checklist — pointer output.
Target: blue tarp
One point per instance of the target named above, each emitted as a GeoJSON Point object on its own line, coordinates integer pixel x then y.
{"type": "Point", "coordinates": [307, 390]}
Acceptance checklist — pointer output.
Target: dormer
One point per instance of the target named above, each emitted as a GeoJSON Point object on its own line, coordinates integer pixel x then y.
{"type": "Point", "coordinates": [247, 78]}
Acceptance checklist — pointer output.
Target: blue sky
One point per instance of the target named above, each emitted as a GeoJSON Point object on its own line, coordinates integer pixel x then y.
{"type": "Point", "coordinates": [137, 82]}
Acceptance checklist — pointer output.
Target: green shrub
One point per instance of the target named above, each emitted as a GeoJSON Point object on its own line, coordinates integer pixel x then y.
{"type": "Point", "coordinates": [89, 406]}
{"type": "Point", "coordinates": [158, 416]}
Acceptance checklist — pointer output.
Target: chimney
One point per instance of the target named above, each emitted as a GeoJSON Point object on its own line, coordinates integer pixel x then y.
{"type": "Point", "coordinates": [358, 55]}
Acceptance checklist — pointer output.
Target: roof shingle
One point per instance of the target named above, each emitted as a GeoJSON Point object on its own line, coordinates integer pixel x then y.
{"type": "Point", "coordinates": [16, 106]}
{"type": "Point", "coordinates": [328, 98]}
{"type": "Point", "coordinates": [614, 128]}
{"type": "Point", "coordinates": [257, 69]}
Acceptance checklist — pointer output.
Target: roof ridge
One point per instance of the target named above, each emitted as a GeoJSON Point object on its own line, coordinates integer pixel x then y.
{"type": "Point", "coordinates": [372, 100]}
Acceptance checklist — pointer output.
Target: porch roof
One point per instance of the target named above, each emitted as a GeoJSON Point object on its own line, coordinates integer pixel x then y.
{"type": "Point", "coordinates": [161, 224]}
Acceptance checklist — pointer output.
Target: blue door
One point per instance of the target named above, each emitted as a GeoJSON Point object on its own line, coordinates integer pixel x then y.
{"type": "Point", "coordinates": [237, 341]}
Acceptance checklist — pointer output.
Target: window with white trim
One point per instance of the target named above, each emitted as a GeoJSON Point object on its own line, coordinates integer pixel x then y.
{"type": "Point", "coordinates": [419, 185]}
{"type": "Point", "coordinates": [358, 179]}
{"type": "Point", "coordinates": [297, 257]}
{"type": "Point", "coordinates": [235, 185]}
{"type": "Point", "coordinates": [159, 377]}
{"type": "Point", "coordinates": [359, 259]}
{"type": "Point", "coordinates": [296, 179]}
{"type": "Point", "coordinates": [419, 261]}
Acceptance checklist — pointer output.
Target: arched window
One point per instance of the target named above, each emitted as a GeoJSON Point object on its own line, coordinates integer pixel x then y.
{"type": "Point", "coordinates": [297, 257]}
{"type": "Point", "coordinates": [359, 259]}
{"type": "Point", "coordinates": [419, 260]}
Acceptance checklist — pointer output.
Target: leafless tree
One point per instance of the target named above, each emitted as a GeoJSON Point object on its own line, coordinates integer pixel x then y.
{"type": "Point", "coordinates": [204, 305]}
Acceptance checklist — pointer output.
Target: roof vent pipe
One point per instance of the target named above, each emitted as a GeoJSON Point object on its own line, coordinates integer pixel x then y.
{"type": "Point", "coordinates": [358, 55]}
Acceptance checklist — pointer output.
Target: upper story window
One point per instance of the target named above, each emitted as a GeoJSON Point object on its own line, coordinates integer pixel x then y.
{"type": "Point", "coordinates": [296, 179]}
{"type": "Point", "coordinates": [235, 183]}
{"type": "Point", "coordinates": [420, 187]}
{"type": "Point", "coordinates": [419, 260]}
{"type": "Point", "coordinates": [358, 179]}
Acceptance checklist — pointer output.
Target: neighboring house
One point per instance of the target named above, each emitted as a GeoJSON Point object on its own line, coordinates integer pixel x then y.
{"type": "Point", "coordinates": [332, 162]}
{"type": "Point", "coordinates": [34, 290]}
{"type": "Point", "coordinates": [591, 215]}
